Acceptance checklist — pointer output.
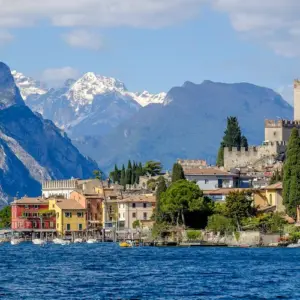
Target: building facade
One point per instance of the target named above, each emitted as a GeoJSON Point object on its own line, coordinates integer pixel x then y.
{"type": "Point", "coordinates": [212, 179]}
{"type": "Point", "coordinates": [136, 208]}
{"type": "Point", "coordinates": [93, 205]}
{"type": "Point", "coordinates": [29, 214]}
{"type": "Point", "coordinates": [70, 216]}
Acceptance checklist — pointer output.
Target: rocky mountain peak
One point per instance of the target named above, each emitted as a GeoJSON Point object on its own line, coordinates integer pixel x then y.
{"type": "Point", "coordinates": [9, 93]}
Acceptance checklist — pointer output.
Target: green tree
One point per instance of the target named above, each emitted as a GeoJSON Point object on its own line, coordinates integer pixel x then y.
{"type": "Point", "coordinates": [129, 173]}
{"type": "Point", "coordinates": [139, 172]}
{"type": "Point", "coordinates": [161, 188]}
{"type": "Point", "coordinates": [276, 177]}
{"type": "Point", "coordinates": [133, 174]}
{"type": "Point", "coordinates": [123, 176]}
{"type": "Point", "coordinates": [238, 206]}
{"type": "Point", "coordinates": [5, 217]}
{"type": "Point", "coordinates": [218, 223]}
{"type": "Point", "coordinates": [115, 175]}
{"type": "Point", "coordinates": [153, 167]}
{"type": "Point", "coordinates": [177, 172]}
{"type": "Point", "coordinates": [98, 174]}
{"type": "Point", "coordinates": [183, 197]}
{"type": "Point", "coordinates": [244, 142]}
{"type": "Point", "coordinates": [232, 138]}
{"type": "Point", "coordinates": [136, 224]}
{"type": "Point", "coordinates": [291, 174]}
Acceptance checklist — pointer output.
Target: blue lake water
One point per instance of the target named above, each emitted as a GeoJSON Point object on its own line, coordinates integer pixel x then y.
{"type": "Point", "coordinates": [105, 271]}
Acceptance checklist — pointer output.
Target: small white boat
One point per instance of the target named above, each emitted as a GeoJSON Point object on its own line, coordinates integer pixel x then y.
{"type": "Point", "coordinates": [78, 241]}
{"type": "Point", "coordinates": [15, 241]}
{"type": "Point", "coordinates": [39, 242]}
{"type": "Point", "coordinates": [294, 245]}
{"type": "Point", "coordinates": [61, 242]}
{"type": "Point", "coordinates": [91, 241]}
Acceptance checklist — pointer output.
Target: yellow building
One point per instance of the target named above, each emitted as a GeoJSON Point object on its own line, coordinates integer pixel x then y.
{"type": "Point", "coordinates": [270, 196]}
{"type": "Point", "coordinates": [70, 215]}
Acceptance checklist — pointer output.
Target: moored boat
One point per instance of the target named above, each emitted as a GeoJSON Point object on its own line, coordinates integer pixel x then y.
{"type": "Point", "coordinates": [91, 241]}
{"type": "Point", "coordinates": [15, 241]}
{"type": "Point", "coordinates": [78, 241]}
{"type": "Point", "coordinates": [61, 242]}
{"type": "Point", "coordinates": [126, 244]}
{"type": "Point", "coordinates": [39, 242]}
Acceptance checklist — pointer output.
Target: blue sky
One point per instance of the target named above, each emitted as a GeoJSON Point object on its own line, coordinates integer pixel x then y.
{"type": "Point", "coordinates": [154, 44]}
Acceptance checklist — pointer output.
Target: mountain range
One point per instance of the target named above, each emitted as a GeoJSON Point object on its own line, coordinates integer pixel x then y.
{"type": "Point", "coordinates": [32, 149]}
{"type": "Point", "coordinates": [111, 124]}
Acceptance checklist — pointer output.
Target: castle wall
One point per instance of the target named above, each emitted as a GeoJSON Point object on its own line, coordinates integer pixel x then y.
{"type": "Point", "coordinates": [235, 158]}
{"type": "Point", "coordinates": [280, 130]}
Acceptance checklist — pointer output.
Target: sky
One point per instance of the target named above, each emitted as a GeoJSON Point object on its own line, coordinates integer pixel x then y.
{"type": "Point", "coordinates": [154, 44]}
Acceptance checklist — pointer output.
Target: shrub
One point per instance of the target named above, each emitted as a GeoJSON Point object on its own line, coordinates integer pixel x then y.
{"type": "Point", "coordinates": [218, 223]}
{"type": "Point", "coordinates": [136, 224]}
{"type": "Point", "coordinates": [193, 235]}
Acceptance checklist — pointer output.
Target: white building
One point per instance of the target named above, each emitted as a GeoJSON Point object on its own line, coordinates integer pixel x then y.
{"type": "Point", "coordinates": [212, 179]}
{"type": "Point", "coordinates": [63, 188]}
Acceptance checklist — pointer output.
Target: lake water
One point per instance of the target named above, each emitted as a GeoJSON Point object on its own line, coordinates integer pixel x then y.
{"type": "Point", "coordinates": [105, 271]}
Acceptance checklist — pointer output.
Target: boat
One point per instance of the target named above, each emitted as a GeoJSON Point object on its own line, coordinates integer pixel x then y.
{"type": "Point", "coordinates": [61, 242]}
{"type": "Point", "coordinates": [39, 242]}
{"type": "Point", "coordinates": [91, 241]}
{"type": "Point", "coordinates": [78, 240]}
{"type": "Point", "coordinates": [126, 244]}
{"type": "Point", "coordinates": [295, 245]}
{"type": "Point", "coordinates": [15, 241]}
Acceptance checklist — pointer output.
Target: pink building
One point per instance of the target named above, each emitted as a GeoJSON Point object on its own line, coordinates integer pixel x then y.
{"type": "Point", "coordinates": [31, 214]}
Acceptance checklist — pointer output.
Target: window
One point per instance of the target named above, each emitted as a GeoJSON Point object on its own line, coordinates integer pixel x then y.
{"type": "Point", "coordinates": [119, 215]}
{"type": "Point", "coordinates": [80, 214]}
{"type": "Point", "coordinates": [134, 215]}
{"type": "Point", "coordinates": [206, 181]}
{"type": "Point", "coordinates": [133, 205]}
{"type": "Point", "coordinates": [36, 206]}
{"type": "Point", "coordinates": [271, 200]}
{"type": "Point", "coordinates": [57, 215]}
{"type": "Point", "coordinates": [79, 226]}
{"type": "Point", "coordinates": [68, 214]}
{"type": "Point", "coordinates": [53, 205]}
{"type": "Point", "coordinates": [144, 205]}
{"type": "Point", "coordinates": [34, 214]}
{"type": "Point", "coordinates": [123, 215]}
{"type": "Point", "coordinates": [51, 224]}
{"type": "Point", "coordinates": [68, 227]}
{"type": "Point", "coordinates": [145, 216]}
{"type": "Point", "coordinates": [57, 225]}
{"type": "Point", "coordinates": [26, 206]}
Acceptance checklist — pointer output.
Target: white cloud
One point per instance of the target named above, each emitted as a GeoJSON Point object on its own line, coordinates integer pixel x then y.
{"type": "Point", "coordinates": [275, 23]}
{"type": "Point", "coordinates": [5, 37]}
{"type": "Point", "coordinates": [84, 39]}
{"type": "Point", "coordinates": [57, 76]}
{"type": "Point", "coordinates": [136, 13]}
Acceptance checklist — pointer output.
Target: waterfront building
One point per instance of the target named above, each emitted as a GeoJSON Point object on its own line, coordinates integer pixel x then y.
{"type": "Point", "coordinates": [212, 178]}
{"type": "Point", "coordinates": [70, 215]}
{"type": "Point", "coordinates": [136, 208]}
{"type": "Point", "coordinates": [270, 198]}
{"type": "Point", "coordinates": [93, 205]}
{"type": "Point", "coordinates": [64, 188]}
{"type": "Point", "coordinates": [31, 214]}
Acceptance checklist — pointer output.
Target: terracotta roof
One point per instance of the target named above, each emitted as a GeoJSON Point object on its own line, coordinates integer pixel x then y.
{"type": "Point", "coordinates": [225, 191]}
{"type": "Point", "coordinates": [207, 172]}
{"type": "Point", "coordinates": [275, 186]}
{"type": "Point", "coordinates": [69, 204]}
{"type": "Point", "coordinates": [27, 200]}
{"type": "Point", "coordinates": [139, 198]}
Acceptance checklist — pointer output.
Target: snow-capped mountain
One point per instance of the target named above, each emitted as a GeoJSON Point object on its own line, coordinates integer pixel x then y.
{"type": "Point", "coordinates": [91, 105]}
{"type": "Point", "coordinates": [28, 86]}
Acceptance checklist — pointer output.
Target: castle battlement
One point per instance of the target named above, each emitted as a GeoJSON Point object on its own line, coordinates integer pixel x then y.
{"type": "Point", "coordinates": [281, 124]}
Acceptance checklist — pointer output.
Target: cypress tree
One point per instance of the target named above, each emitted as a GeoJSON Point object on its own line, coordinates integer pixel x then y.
{"type": "Point", "coordinates": [232, 138]}
{"type": "Point", "coordinates": [116, 175]}
{"type": "Point", "coordinates": [161, 187]}
{"type": "Point", "coordinates": [177, 172]}
{"type": "Point", "coordinates": [291, 174]}
{"type": "Point", "coordinates": [139, 172]}
{"type": "Point", "coordinates": [133, 174]}
{"type": "Point", "coordinates": [244, 142]}
{"type": "Point", "coordinates": [129, 173]}
{"type": "Point", "coordinates": [123, 176]}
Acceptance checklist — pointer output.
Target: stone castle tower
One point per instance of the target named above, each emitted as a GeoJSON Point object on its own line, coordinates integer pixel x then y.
{"type": "Point", "coordinates": [297, 100]}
